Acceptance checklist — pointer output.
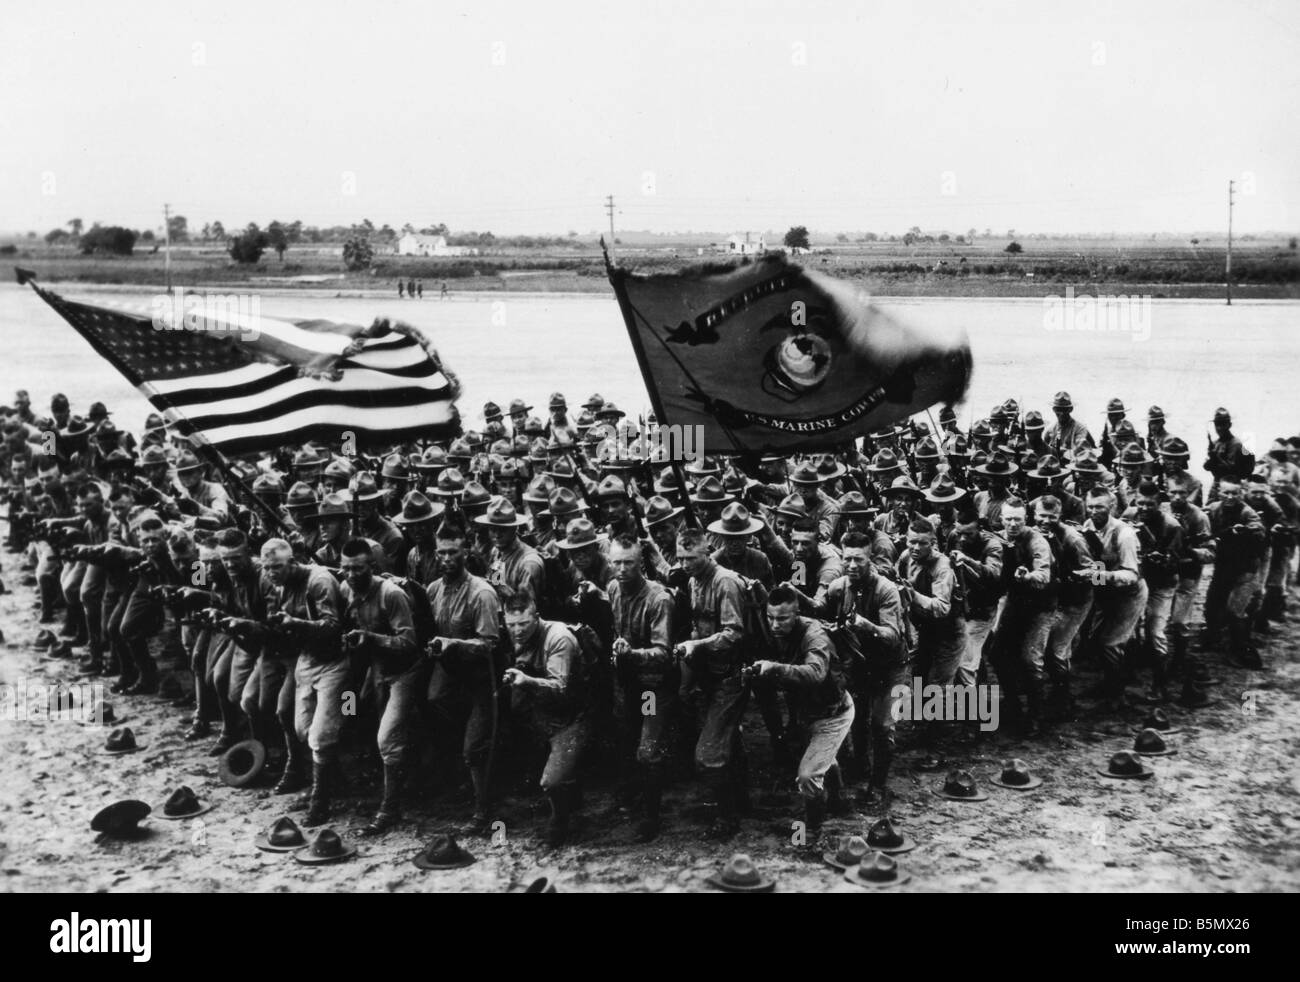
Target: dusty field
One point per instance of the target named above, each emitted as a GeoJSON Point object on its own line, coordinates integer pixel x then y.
{"type": "Point", "coordinates": [1223, 814]}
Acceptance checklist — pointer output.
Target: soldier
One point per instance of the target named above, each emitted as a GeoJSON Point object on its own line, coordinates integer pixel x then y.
{"type": "Point", "coordinates": [1067, 436]}
{"type": "Point", "coordinates": [1226, 456]}
{"type": "Point", "coordinates": [379, 625]}
{"type": "Point", "coordinates": [663, 521]}
{"type": "Point", "coordinates": [395, 479]}
{"type": "Point", "coordinates": [901, 498]}
{"type": "Point", "coordinates": [1074, 602]}
{"type": "Point", "coordinates": [1156, 432]}
{"type": "Point", "coordinates": [856, 515]}
{"type": "Point", "coordinates": [1198, 549]}
{"type": "Point", "coordinates": [808, 479]}
{"type": "Point", "coordinates": [1276, 541]}
{"type": "Point", "coordinates": [1283, 540]}
{"type": "Point", "coordinates": [976, 558]}
{"type": "Point", "coordinates": [417, 520]}
{"type": "Point", "coordinates": [1049, 477]}
{"type": "Point", "coordinates": [1241, 543]}
{"type": "Point", "coordinates": [616, 508]}
{"type": "Point", "coordinates": [372, 524]}
{"type": "Point", "coordinates": [547, 685]}
{"type": "Point", "coordinates": [736, 528]}
{"type": "Point", "coordinates": [1173, 459]}
{"type": "Point", "coordinates": [711, 682]}
{"type": "Point", "coordinates": [931, 597]}
{"type": "Point", "coordinates": [467, 618]}
{"type": "Point", "coordinates": [209, 499]}
{"type": "Point", "coordinates": [1160, 538]}
{"type": "Point", "coordinates": [997, 472]}
{"type": "Point", "coordinates": [144, 614]}
{"type": "Point", "coordinates": [1119, 592]}
{"type": "Point", "coordinates": [1030, 579]}
{"type": "Point", "coordinates": [514, 564]}
{"type": "Point", "coordinates": [806, 665]}
{"type": "Point", "coordinates": [816, 564]}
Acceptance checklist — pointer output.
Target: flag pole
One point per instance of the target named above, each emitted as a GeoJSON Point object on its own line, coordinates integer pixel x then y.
{"type": "Point", "coordinates": [616, 275]}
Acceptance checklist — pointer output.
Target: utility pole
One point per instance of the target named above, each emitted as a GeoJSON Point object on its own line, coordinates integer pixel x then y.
{"type": "Point", "coordinates": [1227, 272]}
{"type": "Point", "coordinates": [167, 249]}
{"type": "Point", "coordinates": [609, 207]}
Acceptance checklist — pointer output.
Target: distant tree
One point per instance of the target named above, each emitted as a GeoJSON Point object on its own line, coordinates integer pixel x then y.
{"type": "Point", "coordinates": [55, 236]}
{"type": "Point", "coordinates": [386, 233]}
{"type": "Point", "coordinates": [572, 234]}
{"type": "Point", "coordinates": [1195, 242]}
{"type": "Point", "coordinates": [841, 238]}
{"type": "Point", "coordinates": [960, 240]}
{"type": "Point", "coordinates": [988, 233]}
{"type": "Point", "coordinates": [439, 229]}
{"type": "Point", "coordinates": [178, 228]}
{"type": "Point", "coordinates": [914, 231]}
{"type": "Point", "coordinates": [358, 254]}
{"type": "Point", "coordinates": [218, 231]}
{"type": "Point", "coordinates": [871, 237]}
{"type": "Point", "coordinates": [408, 229]}
{"type": "Point", "coordinates": [147, 235]}
{"type": "Point", "coordinates": [75, 226]}
{"type": "Point", "coordinates": [278, 238]}
{"type": "Point", "coordinates": [970, 235]}
{"type": "Point", "coordinates": [943, 236]}
{"type": "Point", "coordinates": [1290, 245]}
{"type": "Point", "coordinates": [1011, 233]}
{"type": "Point", "coordinates": [909, 238]}
{"type": "Point", "coordinates": [1013, 248]}
{"type": "Point", "coordinates": [247, 247]}
{"type": "Point", "coordinates": [110, 239]}
{"type": "Point", "coordinates": [31, 234]}
{"type": "Point", "coordinates": [797, 237]}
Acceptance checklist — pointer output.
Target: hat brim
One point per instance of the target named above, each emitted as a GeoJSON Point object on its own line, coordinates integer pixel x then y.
{"type": "Point", "coordinates": [120, 753]}
{"type": "Point", "coordinates": [302, 855]}
{"type": "Point", "coordinates": [373, 496]}
{"type": "Point", "coordinates": [565, 544]}
{"type": "Point", "coordinates": [977, 796]}
{"type": "Point", "coordinates": [664, 518]}
{"type": "Point", "coordinates": [1037, 475]}
{"type": "Point", "coordinates": [203, 810]}
{"type": "Point", "coordinates": [764, 885]}
{"type": "Point", "coordinates": [909, 492]}
{"type": "Point", "coordinates": [1013, 470]}
{"type": "Point", "coordinates": [711, 501]}
{"type": "Point", "coordinates": [465, 859]}
{"type": "Point", "coordinates": [875, 470]}
{"type": "Point", "coordinates": [1034, 782]}
{"type": "Point", "coordinates": [754, 526]}
{"type": "Point", "coordinates": [263, 843]}
{"type": "Point", "coordinates": [227, 775]}
{"type": "Point", "coordinates": [829, 859]}
{"type": "Point", "coordinates": [907, 845]}
{"type": "Point", "coordinates": [483, 520]}
{"type": "Point", "coordinates": [1145, 773]}
{"type": "Point", "coordinates": [851, 876]}
{"type": "Point", "coordinates": [403, 520]}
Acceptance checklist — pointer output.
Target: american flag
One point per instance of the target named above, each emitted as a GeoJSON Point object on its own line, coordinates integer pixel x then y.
{"type": "Point", "coordinates": [242, 386]}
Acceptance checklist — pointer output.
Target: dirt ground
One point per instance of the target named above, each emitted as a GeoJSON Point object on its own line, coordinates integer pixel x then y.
{"type": "Point", "coordinates": [1222, 814]}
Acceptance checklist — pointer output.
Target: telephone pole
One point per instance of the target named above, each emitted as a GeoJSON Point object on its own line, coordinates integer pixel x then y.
{"type": "Point", "coordinates": [609, 207]}
{"type": "Point", "coordinates": [167, 248]}
{"type": "Point", "coordinates": [1227, 272]}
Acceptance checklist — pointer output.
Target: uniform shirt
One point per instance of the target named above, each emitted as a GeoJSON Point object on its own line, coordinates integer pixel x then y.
{"type": "Point", "coordinates": [877, 600]}
{"type": "Point", "coordinates": [1235, 553]}
{"type": "Point", "coordinates": [309, 593]}
{"type": "Point", "coordinates": [717, 616]}
{"type": "Point", "coordinates": [818, 573]}
{"type": "Point", "coordinates": [552, 658]}
{"type": "Point", "coordinates": [808, 668]}
{"type": "Point", "coordinates": [212, 500]}
{"type": "Point", "coordinates": [1066, 439]}
{"type": "Point", "coordinates": [1227, 457]}
{"type": "Point", "coordinates": [643, 616]}
{"type": "Point", "coordinates": [1072, 554]}
{"type": "Point", "coordinates": [467, 612]}
{"type": "Point", "coordinates": [385, 611]}
{"type": "Point", "coordinates": [1164, 536]}
{"type": "Point", "coordinates": [521, 566]}
{"type": "Point", "coordinates": [983, 579]}
{"type": "Point", "coordinates": [753, 565]}
{"type": "Point", "coordinates": [1119, 554]}
{"type": "Point", "coordinates": [390, 540]}
{"type": "Point", "coordinates": [422, 564]}
{"type": "Point", "coordinates": [933, 586]}
{"type": "Point", "coordinates": [331, 555]}
{"type": "Point", "coordinates": [1198, 540]}
{"type": "Point", "coordinates": [825, 512]}
{"type": "Point", "coordinates": [1030, 550]}
{"type": "Point", "coordinates": [989, 506]}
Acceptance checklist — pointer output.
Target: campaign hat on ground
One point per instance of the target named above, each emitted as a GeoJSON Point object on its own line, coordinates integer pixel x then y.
{"type": "Point", "coordinates": [902, 485]}
{"type": "Point", "coordinates": [500, 514]}
{"type": "Point", "coordinates": [854, 503]}
{"type": "Point", "coordinates": [543, 884]}
{"type": "Point", "coordinates": [104, 714]}
{"type": "Point", "coordinates": [1134, 456]}
{"type": "Point", "coordinates": [184, 803]}
{"type": "Point", "coordinates": [999, 464]}
{"type": "Point", "coordinates": [325, 847]}
{"type": "Point", "coordinates": [884, 462]}
{"type": "Point", "coordinates": [883, 837]}
{"type": "Point", "coordinates": [417, 508]}
{"type": "Point", "coordinates": [740, 875]}
{"type": "Point", "coordinates": [121, 820]}
{"type": "Point", "coordinates": [241, 764]}
{"type": "Point", "coordinates": [660, 509]}
{"type": "Point", "coordinates": [710, 492]}
{"type": "Point", "coordinates": [1125, 765]}
{"type": "Point", "coordinates": [1016, 775]}
{"type": "Point", "coordinates": [1159, 721]}
{"type": "Point", "coordinates": [1049, 468]}
{"type": "Point", "coordinates": [443, 852]}
{"type": "Point", "coordinates": [1194, 696]}
{"type": "Point", "coordinates": [736, 522]}
{"type": "Point", "coordinates": [579, 534]}
{"type": "Point", "coordinates": [122, 741]}
{"type": "Point", "coordinates": [942, 491]}
{"type": "Point", "coordinates": [1151, 743]}
{"type": "Point", "coordinates": [1062, 401]}
{"type": "Point", "coordinates": [849, 851]}
{"type": "Point", "coordinates": [282, 835]}
{"type": "Point", "coordinates": [960, 786]}
{"type": "Point", "coordinates": [877, 871]}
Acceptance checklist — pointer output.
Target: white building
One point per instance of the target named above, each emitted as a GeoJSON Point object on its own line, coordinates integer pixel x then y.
{"type": "Point", "coordinates": [414, 244]}
{"type": "Point", "coordinates": [743, 245]}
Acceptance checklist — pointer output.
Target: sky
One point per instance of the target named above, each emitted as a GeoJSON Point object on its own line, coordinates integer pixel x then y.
{"type": "Point", "coordinates": [520, 118]}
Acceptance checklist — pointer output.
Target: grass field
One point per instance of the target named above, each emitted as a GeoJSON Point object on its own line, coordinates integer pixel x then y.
{"type": "Point", "coordinates": [1261, 269]}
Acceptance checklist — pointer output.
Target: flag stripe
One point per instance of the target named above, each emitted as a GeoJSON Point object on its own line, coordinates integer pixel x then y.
{"type": "Point", "coordinates": [377, 421]}
{"type": "Point", "coordinates": [267, 407]}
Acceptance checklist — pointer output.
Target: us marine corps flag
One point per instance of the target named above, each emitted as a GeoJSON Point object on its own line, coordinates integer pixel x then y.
{"type": "Point", "coordinates": [769, 356]}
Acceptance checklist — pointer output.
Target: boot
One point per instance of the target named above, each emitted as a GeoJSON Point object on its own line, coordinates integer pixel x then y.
{"type": "Point", "coordinates": [1178, 658]}
{"type": "Point", "coordinates": [814, 816]}
{"type": "Point", "coordinates": [74, 624]}
{"type": "Point", "coordinates": [648, 828]}
{"type": "Point", "coordinates": [93, 663]}
{"type": "Point", "coordinates": [882, 754]}
{"type": "Point", "coordinates": [1033, 721]}
{"type": "Point", "coordinates": [147, 682]}
{"type": "Point", "coordinates": [48, 587]}
{"type": "Point", "coordinates": [319, 811]}
{"type": "Point", "coordinates": [557, 827]}
{"type": "Point", "coordinates": [481, 822]}
{"type": "Point", "coordinates": [1240, 650]}
{"type": "Point", "coordinates": [130, 675]}
{"type": "Point", "coordinates": [1275, 603]}
{"type": "Point", "coordinates": [390, 807]}
{"type": "Point", "coordinates": [726, 824]}
{"type": "Point", "coordinates": [835, 803]}
{"type": "Point", "coordinates": [1159, 691]}
{"type": "Point", "coordinates": [293, 778]}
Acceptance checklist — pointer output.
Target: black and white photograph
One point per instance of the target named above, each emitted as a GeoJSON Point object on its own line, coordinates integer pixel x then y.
{"type": "Point", "coordinates": [631, 447]}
